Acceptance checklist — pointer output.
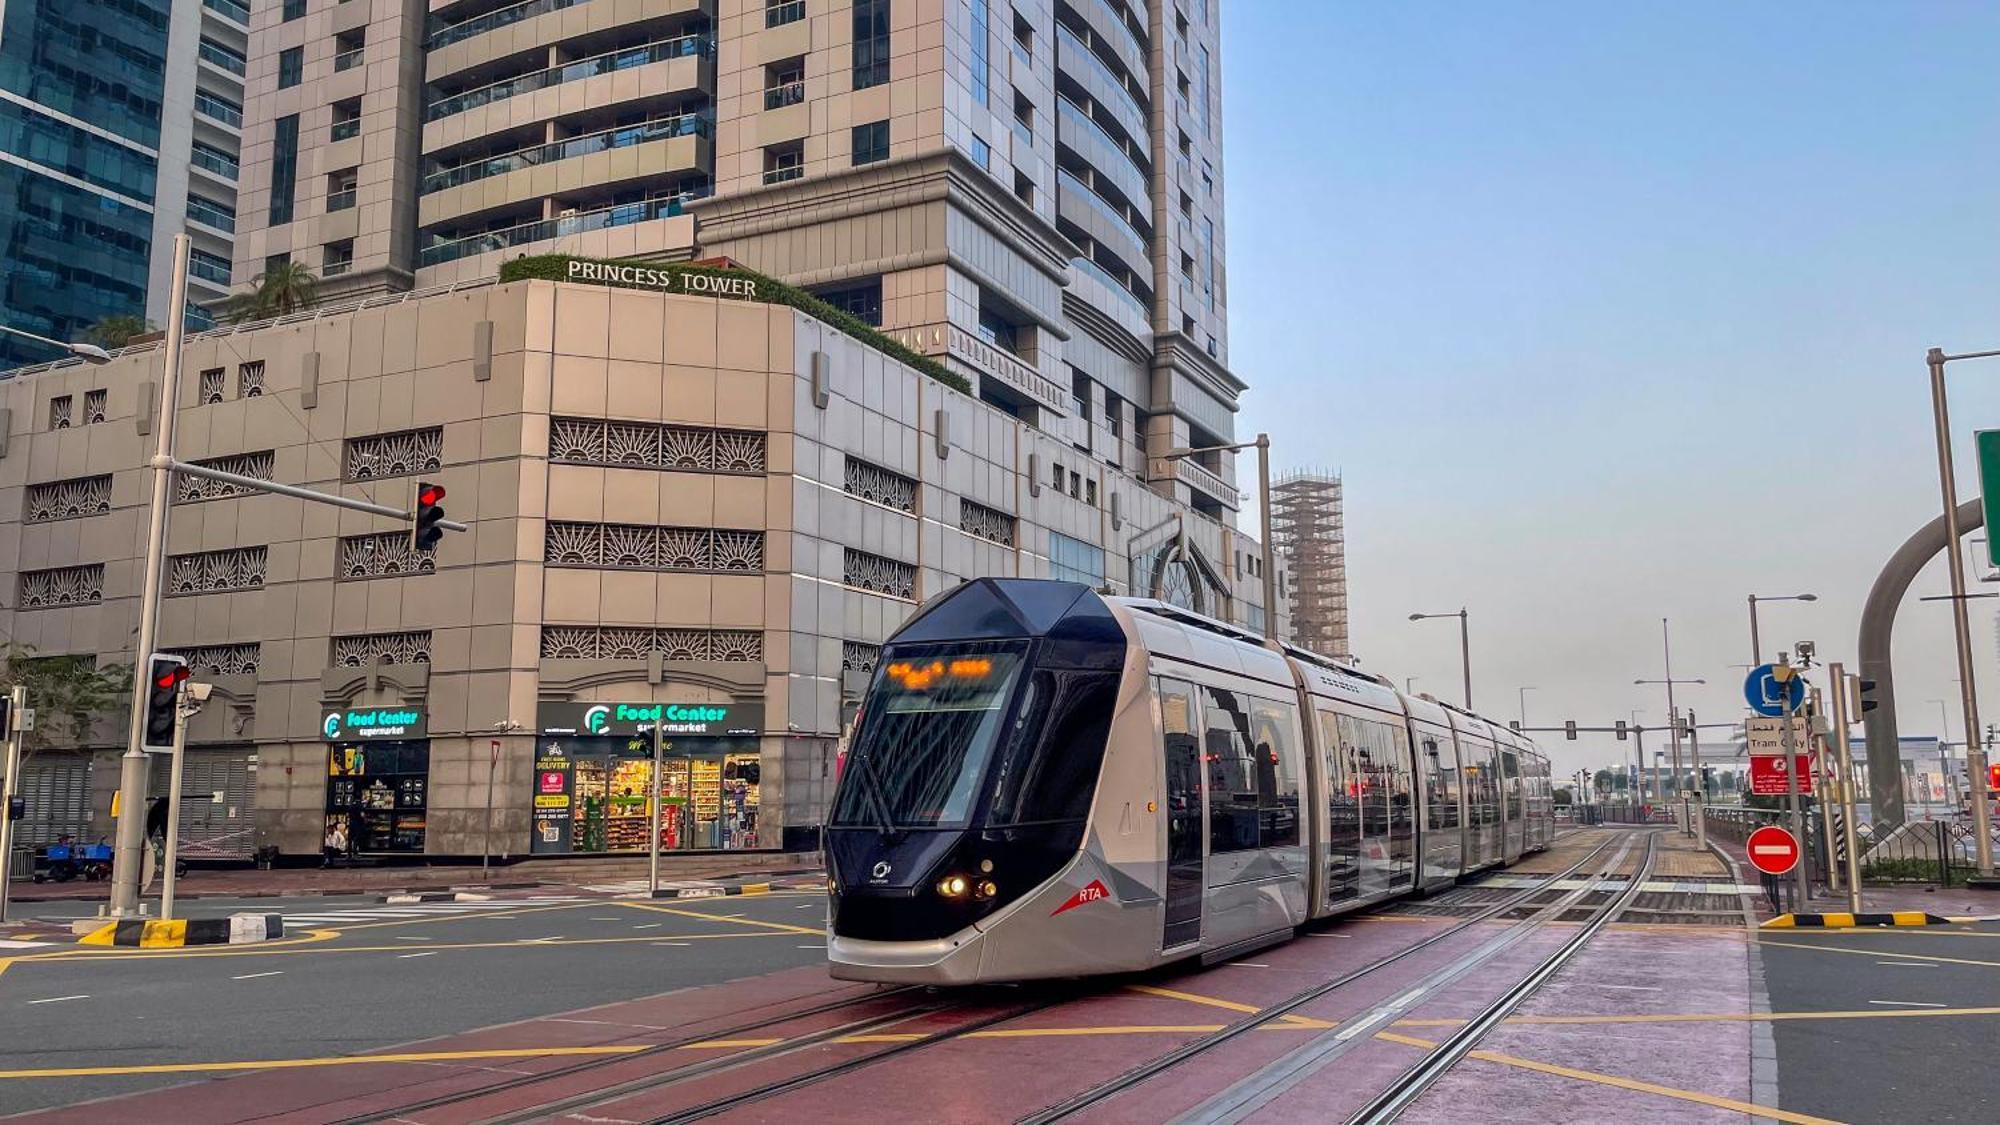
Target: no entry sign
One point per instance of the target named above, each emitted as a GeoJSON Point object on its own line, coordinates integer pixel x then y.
{"type": "Point", "coordinates": [1767, 774]}
{"type": "Point", "coordinates": [1772, 850]}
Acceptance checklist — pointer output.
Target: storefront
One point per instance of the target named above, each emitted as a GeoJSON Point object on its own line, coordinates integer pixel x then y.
{"type": "Point", "coordinates": [594, 777]}
{"type": "Point", "coordinates": [378, 770]}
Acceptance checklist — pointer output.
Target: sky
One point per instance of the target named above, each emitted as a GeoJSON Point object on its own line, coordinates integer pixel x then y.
{"type": "Point", "coordinates": [1614, 313]}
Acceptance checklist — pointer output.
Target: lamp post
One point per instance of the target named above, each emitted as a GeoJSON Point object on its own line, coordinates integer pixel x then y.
{"type": "Point", "coordinates": [1407, 682]}
{"type": "Point", "coordinates": [1262, 444]}
{"type": "Point", "coordinates": [90, 352]}
{"type": "Point", "coordinates": [1522, 696]}
{"type": "Point", "coordinates": [1944, 754]}
{"type": "Point", "coordinates": [1673, 713]}
{"type": "Point", "coordinates": [1756, 644]}
{"type": "Point", "coordinates": [1464, 646]}
{"type": "Point", "coordinates": [1982, 837]}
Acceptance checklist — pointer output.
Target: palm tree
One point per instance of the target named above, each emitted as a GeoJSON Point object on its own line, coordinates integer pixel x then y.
{"type": "Point", "coordinates": [116, 331]}
{"type": "Point", "coordinates": [282, 289]}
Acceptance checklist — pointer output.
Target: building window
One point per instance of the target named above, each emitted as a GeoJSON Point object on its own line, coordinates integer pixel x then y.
{"type": "Point", "coordinates": [1201, 93]}
{"type": "Point", "coordinates": [209, 267]}
{"type": "Point", "coordinates": [997, 331]}
{"type": "Point", "coordinates": [982, 154]}
{"type": "Point", "coordinates": [208, 212]}
{"type": "Point", "coordinates": [347, 49]}
{"type": "Point", "coordinates": [336, 258]}
{"type": "Point", "coordinates": [346, 119]}
{"type": "Point", "coordinates": [1056, 477]}
{"type": "Point", "coordinates": [284, 168]}
{"type": "Point", "coordinates": [93, 407]}
{"type": "Point", "coordinates": [784, 83]}
{"type": "Point", "coordinates": [1024, 119]}
{"type": "Point", "coordinates": [274, 263]}
{"type": "Point", "coordinates": [1024, 39]}
{"type": "Point", "coordinates": [294, 9]}
{"type": "Point", "coordinates": [871, 142]}
{"type": "Point", "coordinates": [1075, 485]}
{"type": "Point", "coordinates": [209, 391]}
{"type": "Point", "coordinates": [291, 67]}
{"type": "Point", "coordinates": [778, 13]}
{"type": "Point", "coordinates": [1114, 414]}
{"type": "Point", "coordinates": [1208, 259]}
{"type": "Point", "coordinates": [1073, 560]}
{"type": "Point", "coordinates": [399, 454]}
{"type": "Point", "coordinates": [784, 162]}
{"type": "Point", "coordinates": [1024, 188]}
{"type": "Point", "coordinates": [219, 55]}
{"type": "Point", "coordinates": [980, 64]}
{"type": "Point", "coordinates": [871, 43]}
{"type": "Point", "coordinates": [1213, 350]}
{"type": "Point", "coordinates": [860, 300]}
{"type": "Point", "coordinates": [250, 379]}
{"type": "Point", "coordinates": [340, 189]}
{"type": "Point", "coordinates": [1090, 492]}
{"type": "Point", "coordinates": [1207, 178]}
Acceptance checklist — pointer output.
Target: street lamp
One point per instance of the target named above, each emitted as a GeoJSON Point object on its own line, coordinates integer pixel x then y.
{"type": "Point", "coordinates": [1673, 714]}
{"type": "Point", "coordinates": [90, 352]}
{"type": "Point", "coordinates": [1263, 447]}
{"type": "Point", "coordinates": [1982, 837]}
{"type": "Point", "coordinates": [1407, 681]}
{"type": "Point", "coordinates": [1756, 645]}
{"type": "Point", "coordinates": [1464, 647]}
{"type": "Point", "coordinates": [1522, 696]}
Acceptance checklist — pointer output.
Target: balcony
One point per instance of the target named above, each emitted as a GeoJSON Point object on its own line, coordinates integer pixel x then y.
{"type": "Point", "coordinates": [444, 250]}
{"type": "Point", "coordinates": [231, 9]}
{"type": "Point", "coordinates": [444, 36]}
{"type": "Point", "coordinates": [784, 173]}
{"type": "Point", "coordinates": [1104, 84]}
{"type": "Point", "coordinates": [219, 163]}
{"type": "Point", "coordinates": [348, 60]}
{"type": "Point", "coordinates": [686, 46]}
{"type": "Point", "coordinates": [1185, 470]}
{"type": "Point", "coordinates": [1079, 204]}
{"type": "Point", "coordinates": [778, 15]}
{"type": "Point", "coordinates": [1091, 141]}
{"type": "Point", "coordinates": [209, 214]}
{"type": "Point", "coordinates": [784, 94]}
{"type": "Point", "coordinates": [685, 125]}
{"type": "Point", "coordinates": [217, 55]}
{"type": "Point", "coordinates": [1132, 301]}
{"type": "Point", "coordinates": [214, 108]}
{"type": "Point", "coordinates": [345, 130]}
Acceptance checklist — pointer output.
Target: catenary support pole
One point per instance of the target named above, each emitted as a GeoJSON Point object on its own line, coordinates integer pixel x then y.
{"type": "Point", "coordinates": [1789, 748]}
{"type": "Point", "coordinates": [127, 859]}
{"type": "Point", "coordinates": [1844, 760]}
{"type": "Point", "coordinates": [19, 705]}
{"type": "Point", "coordinates": [1982, 829]}
{"type": "Point", "coordinates": [1270, 549]}
{"type": "Point", "coordinates": [653, 846]}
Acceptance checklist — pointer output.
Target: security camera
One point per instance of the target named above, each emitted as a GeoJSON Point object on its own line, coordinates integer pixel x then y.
{"type": "Point", "coordinates": [198, 692]}
{"type": "Point", "coordinates": [1805, 651]}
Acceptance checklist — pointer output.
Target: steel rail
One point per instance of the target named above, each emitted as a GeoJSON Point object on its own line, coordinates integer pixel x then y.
{"type": "Point", "coordinates": [1138, 1074]}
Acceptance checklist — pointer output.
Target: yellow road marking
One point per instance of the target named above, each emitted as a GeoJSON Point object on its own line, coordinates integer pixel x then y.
{"type": "Point", "coordinates": [1762, 1111]}
{"type": "Point", "coordinates": [777, 926]}
{"type": "Point", "coordinates": [1878, 953]}
{"type": "Point", "coordinates": [120, 953]}
{"type": "Point", "coordinates": [1718, 1017]}
{"type": "Point", "coordinates": [297, 1064]}
{"type": "Point", "coordinates": [1229, 1005]}
{"type": "Point", "coordinates": [1134, 1029]}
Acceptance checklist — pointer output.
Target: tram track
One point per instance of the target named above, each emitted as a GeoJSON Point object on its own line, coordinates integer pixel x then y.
{"type": "Point", "coordinates": [1145, 1071]}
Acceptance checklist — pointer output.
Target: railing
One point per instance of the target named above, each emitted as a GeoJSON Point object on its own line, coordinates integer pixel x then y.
{"type": "Point", "coordinates": [348, 60]}
{"type": "Point", "coordinates": [1119, 17]}
{"type": "Point", "coordinates": [624, 214]}
{"type": "Point", "coordinates": [209, 214]}
{"type": "Point", "coordinates": [1024, 132]}
{"type": "Point", "coordinates": [1117, 287]}
{"type": "Point", "coordinates": [783, 174]}
{"type": "Point", "coordinates": [1071, 112]}
{"type": "Point", "coordinates": [784, 94]}
{"type": "Point", "coordinates": [1073, 47]}
{"type": "Point", "coordinates": [208, 105]}
{"type": "Point", "coordinates": [1103, 207]}
{"type": "Point", "coordinates": [503, 17]}
{"type": "Point", "coordinates": [345, 130]}
{"type": "Point", "coordinates": [686, 46]}
{"type": "Point", "coordinates": [340, 200]}
{"type": "Point", "coordinates": [1202, 479]}
{"type": "Point", "coordinates": [219, 163]}
{"type": "Point", "coordinates": [335, 269]}
{"type": "Point", "coordinates": [625, 136]}
{"type": "Point", "coordinates": [234, 9]}
{"type": "Point", "coordinates": [778, 15]}
{"type": "Point", "coordinates": [221, 56]}
{"type": "Point", "coordinates": [208, 267]}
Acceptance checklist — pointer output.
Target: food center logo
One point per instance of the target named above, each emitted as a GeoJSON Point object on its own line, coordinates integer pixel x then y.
{"type": "Point", "coordinates": [332, 725]}
{"type": "Point", "coordinates": [596, 719]}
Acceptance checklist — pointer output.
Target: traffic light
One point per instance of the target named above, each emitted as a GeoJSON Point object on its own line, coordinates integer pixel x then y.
{"type": "Point", "coordinates": [163, 687]}
{"type": "Point", "coordinates": [1569, 729]}
{"type": "Point", "coordinates": [427, 511]}
{"type": "Point", "coordinates": [1862, 694]}
{"type": "Point", "coordinates": [1993, 776]}
{"type": "Point", "coordinates": [6, 715]}
{"type": "Point", "coordinates": [1621, 730]}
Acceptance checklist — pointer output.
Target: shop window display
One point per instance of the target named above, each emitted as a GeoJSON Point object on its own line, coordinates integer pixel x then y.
{"type": "Point", "coordinates": [595, 795]}
{"type": "Point", "coordinates": [377, 796]}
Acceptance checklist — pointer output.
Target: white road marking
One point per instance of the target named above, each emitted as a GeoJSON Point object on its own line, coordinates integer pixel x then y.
{"type": "Point", "coordinates": [806, 906]}
{"type": "Point", "coordinates": [1905, 1004]}
{"type": "Point", "coordinates": [673, 944]}
{"type": "Point", "coordinates": [1381, 1013]}
{"type": "Point", "coordinates": [551, 937]}
{"type": "Point", "coordinates": [1637, 987]}
{"type": "Point", "coordinates": [406, 937]}
{"type": "Point", "coordinates": [812, 947]}
{"type": "Point", "coordinates": [1330, 935]}
{"type": "Point", "coordinates": [60, 999]}
{"type": "Point", "coordinates": [254, 976]}
{"type": "Point", "coordinates": [607, 919]}
{"type": "Point", "coordinates": [1249, 964]}
{"type": "Point", "coordinates": [12, 944]}
{"type": "Point", "coordinates": [1909, 964]}
{"type": "Point", "coordinates": [649, 926]}
{"type": "Point", "coordinates": [425, 953]}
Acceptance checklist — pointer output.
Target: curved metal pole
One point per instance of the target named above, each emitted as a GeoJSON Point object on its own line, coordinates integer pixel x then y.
{"type": "Point", "coordinates": [1878, 620]}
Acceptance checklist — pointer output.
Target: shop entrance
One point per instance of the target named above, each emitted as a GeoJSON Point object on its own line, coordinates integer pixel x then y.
{"type": "Point", "coordinates": [378, 796]}
{"type": "Point", "coordinates": [594, 794]}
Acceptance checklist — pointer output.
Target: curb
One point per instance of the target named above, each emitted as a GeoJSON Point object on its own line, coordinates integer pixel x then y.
{"type": "Point", "coordinates": [1846, 921]}
{"type": "Point", "coordinates": [237, 929]}
{"type": "Point", "coordinates": [715, 890]}
{"type": "Point", "coordinates": [435, 896]}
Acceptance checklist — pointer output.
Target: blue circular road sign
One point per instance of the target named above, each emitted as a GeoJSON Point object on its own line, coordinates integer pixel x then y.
{"type": "Point", "coordinates": [1770, 698]}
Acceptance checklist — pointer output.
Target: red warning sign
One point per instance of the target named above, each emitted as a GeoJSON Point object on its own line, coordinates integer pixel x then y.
{"type": "Point", "coordinates": [1767, 774]}
{"type": "Point", "coordinates": [1772, 850]}
{"type": "Point", "coordinates": [1091, 893]}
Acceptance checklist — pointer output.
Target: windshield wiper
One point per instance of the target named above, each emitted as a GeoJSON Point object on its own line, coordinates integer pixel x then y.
{"type": "Point", "coordinates": [885, 825]}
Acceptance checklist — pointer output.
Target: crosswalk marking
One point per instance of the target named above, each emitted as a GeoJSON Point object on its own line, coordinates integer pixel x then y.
{"type": "Point", "coordinates": [418, 910]}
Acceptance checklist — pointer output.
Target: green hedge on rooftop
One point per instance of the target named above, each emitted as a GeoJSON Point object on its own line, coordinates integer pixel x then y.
{"type": "Point", "coordinates": [555, 267]}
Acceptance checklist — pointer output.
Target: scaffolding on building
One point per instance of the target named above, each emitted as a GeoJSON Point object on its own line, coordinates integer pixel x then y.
{"type": "Point", "coordinates": [1307, 523]}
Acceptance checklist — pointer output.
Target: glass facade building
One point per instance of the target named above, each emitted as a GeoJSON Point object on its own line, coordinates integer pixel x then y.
{"type": "Point", "coordinates": [81, 86]}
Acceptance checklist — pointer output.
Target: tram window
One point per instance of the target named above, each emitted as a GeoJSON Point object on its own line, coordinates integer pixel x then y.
{"type": "Point", "coordinates": [1233, 802]}
{"type": "Point", "coordinates": [1511, 783]}
{"type": "Point", "coordinates": [1276, 726]}
{"type": "Point", "coordinates": [929, 729]}
{"type": "Point", "coordinates": [1049, 769]}
{"type": "Point", "coordinates": [1440, 783]}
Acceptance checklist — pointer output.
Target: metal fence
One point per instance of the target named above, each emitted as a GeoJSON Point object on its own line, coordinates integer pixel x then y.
{"type": "Point", "coordinates": [1933, 852]}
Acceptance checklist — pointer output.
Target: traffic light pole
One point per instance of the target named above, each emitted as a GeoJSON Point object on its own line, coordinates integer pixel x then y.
{"type": "Point", "coordinates": [653, 848]}
{"type": "Point", "coordinates": [173, 849]}
{"type": "Point", "coordinates": [12, 785]}
{"type": "Point", "coordinates": [1844, 761]}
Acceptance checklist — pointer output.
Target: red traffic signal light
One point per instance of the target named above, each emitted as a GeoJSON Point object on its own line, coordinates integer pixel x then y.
{"type": "Point", "coordinates": [1993, 777]}
{"type": "Point", "coordinates": [164, 676]}
{"type": "Point", "coordinates": [427, 513]}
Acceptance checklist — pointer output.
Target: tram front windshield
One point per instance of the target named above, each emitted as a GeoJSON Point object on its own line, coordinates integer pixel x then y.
{"type": "Point", "coordinates": [928, 731]}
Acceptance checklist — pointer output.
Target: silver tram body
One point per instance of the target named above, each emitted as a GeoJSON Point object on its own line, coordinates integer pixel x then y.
{"type": "Point", "coordinates": [1045, 782]}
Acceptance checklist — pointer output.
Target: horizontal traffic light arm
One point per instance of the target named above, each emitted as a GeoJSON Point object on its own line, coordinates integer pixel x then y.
{"type": "Point", "coordinates": [293, 490]}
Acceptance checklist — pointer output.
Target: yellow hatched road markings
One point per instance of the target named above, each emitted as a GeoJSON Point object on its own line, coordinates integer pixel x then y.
{"type": "Point", "coordinates": [1633, 1084]}
{"type": "Point", "coordinates": [775, 926]}
{"type": "Point", "coordinates": [1228, 1005]}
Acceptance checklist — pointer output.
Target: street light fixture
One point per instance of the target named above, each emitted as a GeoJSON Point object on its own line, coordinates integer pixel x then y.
{"type": "Point", "coordinates": [1673, 714]}
{"type": "Point", "coordinates": [1464, 647]}
{"type": "Point", "coordinates": [1262, 445]}
{"type": "Point", "coordinates": [1522, 696]}
{"type": "Point", "coordinates": [1756, 644]}
{"type": "Point", "coordinates": [89, 352]}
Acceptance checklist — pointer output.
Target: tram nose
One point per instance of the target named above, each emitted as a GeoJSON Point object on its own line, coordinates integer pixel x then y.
{"type": "Point", "coordinates": [865, 860]}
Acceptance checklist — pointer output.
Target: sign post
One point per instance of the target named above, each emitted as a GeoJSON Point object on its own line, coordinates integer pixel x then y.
{"type": "Point", "coordinates": [653, 845]}
{"type": "Point", "coordinates": [1987, 442]}
{"type": "Point", "coordinates": [1844, 774]}
{"type": "Point", "coordinates": [486, 848]}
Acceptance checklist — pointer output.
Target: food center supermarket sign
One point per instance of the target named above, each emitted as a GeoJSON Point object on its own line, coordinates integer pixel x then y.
{"type": "Point", "coordinates": [381, 722]}
{"type": "Point", "coordinates": [639, 718]}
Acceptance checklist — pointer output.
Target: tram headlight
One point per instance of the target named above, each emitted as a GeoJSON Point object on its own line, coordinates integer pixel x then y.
{"type": "Point", "coordinates": [986, 889]}
{"type": "Point", "coordinates": [954, 886]}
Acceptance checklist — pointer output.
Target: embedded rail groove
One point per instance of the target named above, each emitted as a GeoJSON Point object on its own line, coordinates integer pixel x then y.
{"type": "Point", "coordinates": [1144, 1071]}
{"type": "Point", "coordinates": [1388, 1105]}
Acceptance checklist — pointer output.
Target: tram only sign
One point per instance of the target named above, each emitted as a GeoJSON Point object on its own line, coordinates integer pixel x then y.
{"type": "Point", "coordinates": [1773, 850]}
{"type": "Point", "coordinates": [1767, 774]}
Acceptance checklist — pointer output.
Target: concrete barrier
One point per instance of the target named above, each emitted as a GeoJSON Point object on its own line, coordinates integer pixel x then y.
{"type": "Point", "coordinates": [176, 933]}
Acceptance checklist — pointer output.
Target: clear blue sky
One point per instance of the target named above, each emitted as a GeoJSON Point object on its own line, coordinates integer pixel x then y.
{"type": "Point", "coordinates": [1615, 312]}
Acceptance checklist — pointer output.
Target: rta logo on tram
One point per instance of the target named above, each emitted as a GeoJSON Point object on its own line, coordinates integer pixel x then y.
{"type": "Point", "coordinates": [881, 872]}
{"type": "Point", "coordinates": [1094, 892]}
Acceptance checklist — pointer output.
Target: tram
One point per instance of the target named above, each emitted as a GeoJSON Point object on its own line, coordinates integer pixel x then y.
{"type": "Point", "coordinates": [1045, 781]}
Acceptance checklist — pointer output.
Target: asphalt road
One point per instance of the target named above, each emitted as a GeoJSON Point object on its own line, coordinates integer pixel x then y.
{"type": "Point", "coordinates": [349, 984]}
{"type": "Point", "coordinates": [1934, 1068]}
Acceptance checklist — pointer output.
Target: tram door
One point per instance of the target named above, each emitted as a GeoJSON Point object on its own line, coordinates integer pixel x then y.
{"type": "Point", "coordinates": [1186, 804]}
{"type": "Point", "coordinates": [1343, 814]}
